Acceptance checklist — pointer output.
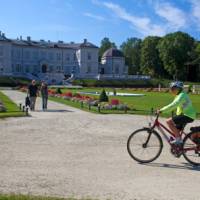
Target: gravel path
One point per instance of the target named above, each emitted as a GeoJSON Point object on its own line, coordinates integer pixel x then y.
{"type": "Point", "coordinates": [70, 153]}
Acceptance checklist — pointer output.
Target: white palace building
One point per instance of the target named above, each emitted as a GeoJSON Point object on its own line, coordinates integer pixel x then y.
{"type": "Point", "coordinates": [56, 61]}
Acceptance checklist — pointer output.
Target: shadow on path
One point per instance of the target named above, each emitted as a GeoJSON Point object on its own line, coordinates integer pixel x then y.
{"type": "Point", "coordinates": [185, 166]}
{"type": "Point", "coordinates": [53, 111]}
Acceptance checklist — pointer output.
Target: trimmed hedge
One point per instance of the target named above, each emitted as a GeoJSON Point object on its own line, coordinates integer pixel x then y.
{"type": "Point", "coordinates": [6, 81]}
{"type": "Point", "coordinates": [121, 83]}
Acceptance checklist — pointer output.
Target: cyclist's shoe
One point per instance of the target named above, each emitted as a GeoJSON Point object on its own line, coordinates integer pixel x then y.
{"type": "Point", "coordinates": [177, 141]}
{"type": "Point", "coordinates": [171, 139]}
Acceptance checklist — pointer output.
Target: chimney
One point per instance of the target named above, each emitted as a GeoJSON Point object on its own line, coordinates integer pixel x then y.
{"type": "Point", "coordinates": [20, 37]}
{"type": "Point", "coordinates": [0, 33]}
{"type": "Point", "coordinates": [3, 35]}
{"type": "Point", "coordinates": [85, 41]}
{"type": "Point", "coordinates": [29, 38]}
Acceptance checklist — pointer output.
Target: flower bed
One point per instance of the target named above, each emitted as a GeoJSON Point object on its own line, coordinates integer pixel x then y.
{"type": "Point", "coordinates": [114, 104]}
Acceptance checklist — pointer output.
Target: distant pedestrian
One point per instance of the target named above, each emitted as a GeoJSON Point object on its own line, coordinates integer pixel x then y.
{"type": "Point", "coordinates": [33, 93]}
{"type": "Point", "coordinates": [44, 94]}
{"type": "Point", "coordinates": [114, 92]}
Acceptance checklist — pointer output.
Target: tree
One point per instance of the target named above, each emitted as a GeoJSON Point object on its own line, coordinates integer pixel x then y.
{"type": "Point", "coordinates": [103, 96]}
{"type": "Point", "coordinates": [197, 49]}
{"type": "Point", "coordinates": [132, 49]}
{"type": "Point", "coordinates": [175, 50]}
{"type": "Point", "coordinates": [150, 61]}
{"type": "Point", "coordinates": [105, 45]}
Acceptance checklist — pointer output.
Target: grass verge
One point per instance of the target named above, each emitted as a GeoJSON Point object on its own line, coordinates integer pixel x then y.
{"type": "Point", "coordinates": [139, 105]}
{"type": "Point", "coordinates": [12, 108]}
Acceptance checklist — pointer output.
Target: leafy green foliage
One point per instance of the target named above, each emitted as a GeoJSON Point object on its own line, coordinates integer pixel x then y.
{"type": "Point", "coordinates": [175, 50]}
{"type": "Point", "coordinates": [132, 50]}
{"type": "Point", "coordinates": [105, 45]}
{"type": "Point", "coordinates": [150, 60]}
{"type": "Point", "coordinates": [6, 81]}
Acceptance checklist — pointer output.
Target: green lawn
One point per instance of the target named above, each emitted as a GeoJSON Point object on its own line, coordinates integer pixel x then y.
{"type": "Point", "coordinates": [140, 105]}
{"type": "Point", "coordinates": [27, 197]}
{"type": "Point", "coordinates": [12, 108]}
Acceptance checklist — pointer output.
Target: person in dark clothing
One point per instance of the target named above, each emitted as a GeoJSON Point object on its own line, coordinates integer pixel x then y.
{"type": "Point", "coordinates": [44, 94]}
{"type": "Point", "coordinates": [33, 93]}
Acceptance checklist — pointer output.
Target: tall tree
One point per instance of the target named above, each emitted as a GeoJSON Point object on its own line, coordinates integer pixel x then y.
{"type": "Point", "coordinates": [197, 49]}
{"type": "Point", "coordinates": [105, 45]}
{"type": "Point", "coordinates": [150, 60]}
{"type": "Point", "coordinates": [132, 49]}
{"type": "Point", "coordinates": [175, 50]}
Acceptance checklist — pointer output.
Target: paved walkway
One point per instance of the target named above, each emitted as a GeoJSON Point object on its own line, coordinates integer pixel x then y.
{"type": "Point", "coordinates": [70, 153]}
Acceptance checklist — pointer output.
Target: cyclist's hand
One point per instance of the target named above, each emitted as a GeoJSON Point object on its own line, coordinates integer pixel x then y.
{"type": "Point", "coordinates": [158, 112]}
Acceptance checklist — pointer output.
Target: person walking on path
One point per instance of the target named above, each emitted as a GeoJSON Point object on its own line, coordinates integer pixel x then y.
{"type": "Point", "coordinates": [33, 93]}
{"type": "Point", "coordinates": [44, 94]}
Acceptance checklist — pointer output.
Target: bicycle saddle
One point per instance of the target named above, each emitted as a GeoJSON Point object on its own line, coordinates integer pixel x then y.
{"type": "Point", "coordinates": [195, 129]}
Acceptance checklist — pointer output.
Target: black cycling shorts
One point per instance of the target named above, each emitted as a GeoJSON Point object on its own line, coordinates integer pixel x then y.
{"type": "Point", "coordinates": [181, 121]}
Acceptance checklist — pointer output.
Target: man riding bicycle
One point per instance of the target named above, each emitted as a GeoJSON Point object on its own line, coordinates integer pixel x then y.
{"type": "Point", "coordinates": [185, 112]}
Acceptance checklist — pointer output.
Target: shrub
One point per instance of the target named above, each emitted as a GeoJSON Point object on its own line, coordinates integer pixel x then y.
{"type": "Point", "coordinates": [58, 91]}
{"type": "Point", "coordinates": [103, 96]}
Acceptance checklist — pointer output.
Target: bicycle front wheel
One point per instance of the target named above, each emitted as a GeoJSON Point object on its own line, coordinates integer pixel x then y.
{"type": "Point", "coordinates": [144, 145]}
{"type": "Point", "coordinates": [191, 148]}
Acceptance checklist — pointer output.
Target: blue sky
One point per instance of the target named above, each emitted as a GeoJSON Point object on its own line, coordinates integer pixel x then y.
{"type": "Point", "coordinates": [74, 20]}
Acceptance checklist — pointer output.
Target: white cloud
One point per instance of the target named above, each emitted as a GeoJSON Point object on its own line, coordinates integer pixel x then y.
{"type": "Point", "coordinates": [93, 16]}
{"type": "Point", "coordinates": [175, 17]}
{"type": "Point", "coordinates": [196, 9]}
{"type": "Point", "coordinates": [141, 24]}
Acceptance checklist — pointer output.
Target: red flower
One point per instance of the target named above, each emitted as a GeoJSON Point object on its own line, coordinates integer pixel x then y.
{"type": "Point", "coordinates": [114, 102]}
{"type": "Point", "coordinates": [68, 94]}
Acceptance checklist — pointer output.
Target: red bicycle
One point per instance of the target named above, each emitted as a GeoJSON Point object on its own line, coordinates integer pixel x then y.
{"type": "Point", "coordinates": [145, 145]}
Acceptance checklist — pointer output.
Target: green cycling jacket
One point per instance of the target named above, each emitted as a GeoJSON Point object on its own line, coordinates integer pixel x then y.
{"type": "Point", "coordinates": [182, 104]}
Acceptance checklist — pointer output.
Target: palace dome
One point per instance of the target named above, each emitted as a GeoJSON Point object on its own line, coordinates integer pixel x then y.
{"type": "Point", "coordinates": [113, 52]}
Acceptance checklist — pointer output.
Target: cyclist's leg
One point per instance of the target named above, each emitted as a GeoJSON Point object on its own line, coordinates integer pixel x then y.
{"type": "Point", "coordinates": [177, 123]}
{"type": "Point", "coordinates": [173, 127]}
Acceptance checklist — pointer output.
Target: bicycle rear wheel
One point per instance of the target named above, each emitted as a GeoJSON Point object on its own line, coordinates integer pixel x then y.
{"type": "Point", "coordinates": [140, 150]}
{"type": "Point", "coordinates": [191, 148]}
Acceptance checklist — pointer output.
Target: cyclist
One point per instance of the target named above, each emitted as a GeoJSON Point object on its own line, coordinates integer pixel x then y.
{"type": "Point", "coordinates": [185, 112]}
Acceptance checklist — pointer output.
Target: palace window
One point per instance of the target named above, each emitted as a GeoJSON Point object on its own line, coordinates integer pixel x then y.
{"type": "Point", "coordinates": [27, 69]}
{"type": "Point", "coordinates": [51, 56]}
{"type": "Point", "coordinates": [116, 69]}
{"type": "Point", "coordinates": [35, 55]}
{"type": "Point", "coordinates": [43, 54]}
{"type": "Point", "coordinates": [58, 56]}
{"type": "Point", "coordinates": [74, 56]}
{"type": "Point", "coordinates": [67, 57]}
{"type": "Point", "coordinates": [89, 56]}
{"type": "Point", "coordinates": [26, 54]}
{"type": "Point", "coordinates": [88, 69]}
{"type": "Point", "coordinates": [18, 54]}
{"type": "Point", "coordinates": [58, 68]}
{"type": "Point", "coordinates": [18, 68]}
